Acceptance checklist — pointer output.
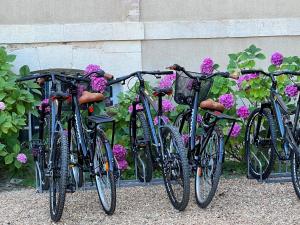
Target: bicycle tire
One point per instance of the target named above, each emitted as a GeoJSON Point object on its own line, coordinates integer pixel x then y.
{"type": "Point", "coordinates": [271, 123]}
{"type": "Point", "coordinates": [215, 169]}
{"type": "Point", "coordinates": [59, 178]}
{"type": "Point", "coordinates": [143, 156]}
{"type": "Point", "coordinates": [182, 165]}
{"type": "Point", "coordinates": [102, 171]}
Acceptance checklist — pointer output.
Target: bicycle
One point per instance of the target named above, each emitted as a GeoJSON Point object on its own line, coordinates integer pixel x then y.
{"type": "Point", "coordinates": [92, 147]}
{"type": "Point", "coordinates": [261, 133]}
{"type": "Point", "coordinates": [169, 154]}
{"type": "Point", "coordinates": [206, 152]}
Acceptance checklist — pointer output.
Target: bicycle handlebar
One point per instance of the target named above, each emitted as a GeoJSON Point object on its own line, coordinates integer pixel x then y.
{"type": "Point", "coordinates": [58, 76]}
{"type": "Point", "coordinates": [276, 73]}
{"type": "Point", "coordinates": [137, 73]}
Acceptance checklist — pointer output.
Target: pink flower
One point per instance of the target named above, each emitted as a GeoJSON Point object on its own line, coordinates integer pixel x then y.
{"type": "Point", "coordinates": [2, 106]}
{"type": "Point", "coordinates": [277, 58]}
{"type": "Point", "coordinates": [91, 68]}
{"type": "Point", "coordinates": [138, 107]}
{"type": "Point", "coordinates": [246, 77]}
{"type": "Point", "coordinates": [167, 105]}
{"type": "Point", "coordinates": [164, 118]}
{"type": "Point", "coordinates": [207, 66]}
{"type": "Point", "coordinates": [22, 158]}
{"type": "Point", "coordinates": [167, 81]}
{"type": "Point", "coordinates": [185, 139]}
{"type": "Point", "coordinates": [236, 130]}
{"type": "Point", "coordinates": [44, 104]}
{"type": "Point", "coordinates": [98, 83]}
{"type": "Point", "coordinates": [119, 152]}
{"type": "Point", "coordinates": [227, 100]}
{"type": "Point", "coordinates": [243, 112]}
{"type": "Point", "coordinates": [122, 165]}
{"type": "Point", "coordinates": [199, 118]}
{"type": "Point", "coordinates": [291, 90]}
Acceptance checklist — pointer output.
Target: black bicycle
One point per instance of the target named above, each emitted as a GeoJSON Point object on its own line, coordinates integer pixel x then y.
{"type": "Point", "coordinates": [205, 141]}
{"type": "Point", "coordinates": [170, 153]}
{"type": "Point", "coordinates": [89, 147]}
{"type": "Point", "coordinates": [264, 124]}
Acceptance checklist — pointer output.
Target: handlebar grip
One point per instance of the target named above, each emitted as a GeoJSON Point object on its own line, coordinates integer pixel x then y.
{"type": "Point", "coordinates": [31, 77]}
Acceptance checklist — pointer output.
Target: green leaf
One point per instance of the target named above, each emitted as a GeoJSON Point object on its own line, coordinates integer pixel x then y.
{"type": "Point", "coordinates": [24, 70]}
{"type": "Point", "coordinates": [21, 108]}
{"type": "Point", "coordinates": [16, 148]}
{"type": "Point", "coordinates": [3, 153]}
{"type": "Point", "coordinates": [9, 159]}
{"type": "Point", "coordinates": [260, 56]}
{"type": "Point", "coordinates": [10, 58]}
{"type": "Point", "coordinates": [272, 68]}
{"type": "Point", "coordinates": [17, 164]}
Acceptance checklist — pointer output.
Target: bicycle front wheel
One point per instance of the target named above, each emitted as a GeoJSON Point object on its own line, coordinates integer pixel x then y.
{"type": "Point", "coordinates": [209, 169]}
{"type": "Point", "coordinates": [175, 168]}
{"type": "Point", "coordinates": [105, 181]}
{"type": "Point", "coordinates": [59, 177]}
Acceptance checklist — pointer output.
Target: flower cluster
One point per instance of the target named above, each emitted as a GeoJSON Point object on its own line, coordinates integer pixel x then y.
{"type": "Point", "coordinates": [185, 139]}
{"type": "Point", "coordinates": [138, 107]}
{"type": "Point", "coordinates": [91, 68]}
{"type": "Point", "coordinates": [277, 59]}
{"type": "Point", "coordinates": [243, 112]}
{"type": "Point", "coordinates": [236, 130]}
{"type": "Point", "coordinates": [291, 90]}
{"type": "Point", "coordinates": [246, 77]}
{"type": "Point", "coordinates": [2, 106]}
{"type": "Point", "coordinates": [167, 105]}
{"type": "Point", "coordinates": [22, 158]}
{"type": "Point", "coordinates": [120, 155]}
{"type": "Point", "coordinates": [45, 103]}
{"type": "Point", "coordinates": [227, 100]}
{"type": "Point", "coordinates": [167, 81]}
{"type": "Point", "coordinates": [199, 118]}
{"type": "Point", "coordinates": [207, 66]}
{"type": "Point", "coordinates": [98, 83]}
{"type": "Point", "coordinates": [164, 118]}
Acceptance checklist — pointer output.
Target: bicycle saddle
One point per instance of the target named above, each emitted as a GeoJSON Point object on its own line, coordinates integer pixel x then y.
{"type": "Point", "coordinates": [157, 91]}
{"type": "Point", "coordinates": [210, 104]}
{"type": "Point", "coordinates": [87, 97]}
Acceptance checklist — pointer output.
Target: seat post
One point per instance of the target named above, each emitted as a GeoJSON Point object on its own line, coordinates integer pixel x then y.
{"type": "Point", "coordinates": [159, 113]}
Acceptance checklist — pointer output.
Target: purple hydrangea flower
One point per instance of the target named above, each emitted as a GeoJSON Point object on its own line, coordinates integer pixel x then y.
{"type": "Point", "coordinates": [122, 165]}
{"type": "Point", "coordinates": [227, 100]}
{"type": "Point", "coordinates": [45, 103]}
{"type": "Point", "coordinates": [207, 66]}
{"type": "Point", "coordinates": [2, 106]}
{"type": "Point", "coordinates": [119, 152]}
{"type": "Point", "coordinates": [165, 119]}
{"type": "Point", "coordinates": [246, 77]}
{"type": "Point", "coordinates": [91, 68]}
{"type": "Point", "coordinates": [291, 90]}
{"type": "Point", "coordinates": [243, 112]}
{"type": "Point", "coordinates": [138, 107]}
{"type": "Point", "coordinates": [22, 158]}
{"type": "Point", "coordinates": [199, 118]}
{"type": "Point", "coordinates": [185, 139]}
{"type": "Point", "coordinates": [167, 81]}
{"type": "Point", "coordinates": [277, 58]}
{"type": "Point", "coordinates": [236, 130]}
{"type": "Point", "coordinates": [98, 83]}
{"type": "Point", "coordinates": [167, 105]}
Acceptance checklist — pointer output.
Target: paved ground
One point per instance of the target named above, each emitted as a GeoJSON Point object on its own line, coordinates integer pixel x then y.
{"type": "Point", "coordinates": [238, 201]}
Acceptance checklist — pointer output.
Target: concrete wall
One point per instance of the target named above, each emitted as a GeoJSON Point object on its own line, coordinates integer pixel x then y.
{"type": "Point", "coordinates": [127, 35]}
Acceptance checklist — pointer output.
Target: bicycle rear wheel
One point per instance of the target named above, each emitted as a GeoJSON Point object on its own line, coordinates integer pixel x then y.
{"type": "Point", "coordinates": [105, 182]}
{"type": "Point", "coordinates": [59, 177]}
{"type": "Point", "coordinates": [175, 168]}
{"type": "Point", "coordinates": [141, 147]}
{"type": "Point", "coordinates": [260, 141]}
{"type": "Point", "coordinates": [209, 169]}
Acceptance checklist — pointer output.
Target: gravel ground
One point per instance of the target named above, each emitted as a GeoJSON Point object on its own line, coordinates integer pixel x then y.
{"type": "Point", "coordinates": [238, 201]}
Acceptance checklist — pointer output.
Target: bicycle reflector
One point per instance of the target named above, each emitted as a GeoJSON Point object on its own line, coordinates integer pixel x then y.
{"type": "Point", "coordinates": [91, 109]}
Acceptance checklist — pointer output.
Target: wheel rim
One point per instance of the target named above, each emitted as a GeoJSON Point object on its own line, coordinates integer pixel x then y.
{"type": "Point", "coordinates": [206, 169]}
{"type": "Point", "coordinates": [260, 148]}
{"type": "Point", "coordinates": [102, 175]}
{"type": "Point", "coordinates": [173, 169]}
